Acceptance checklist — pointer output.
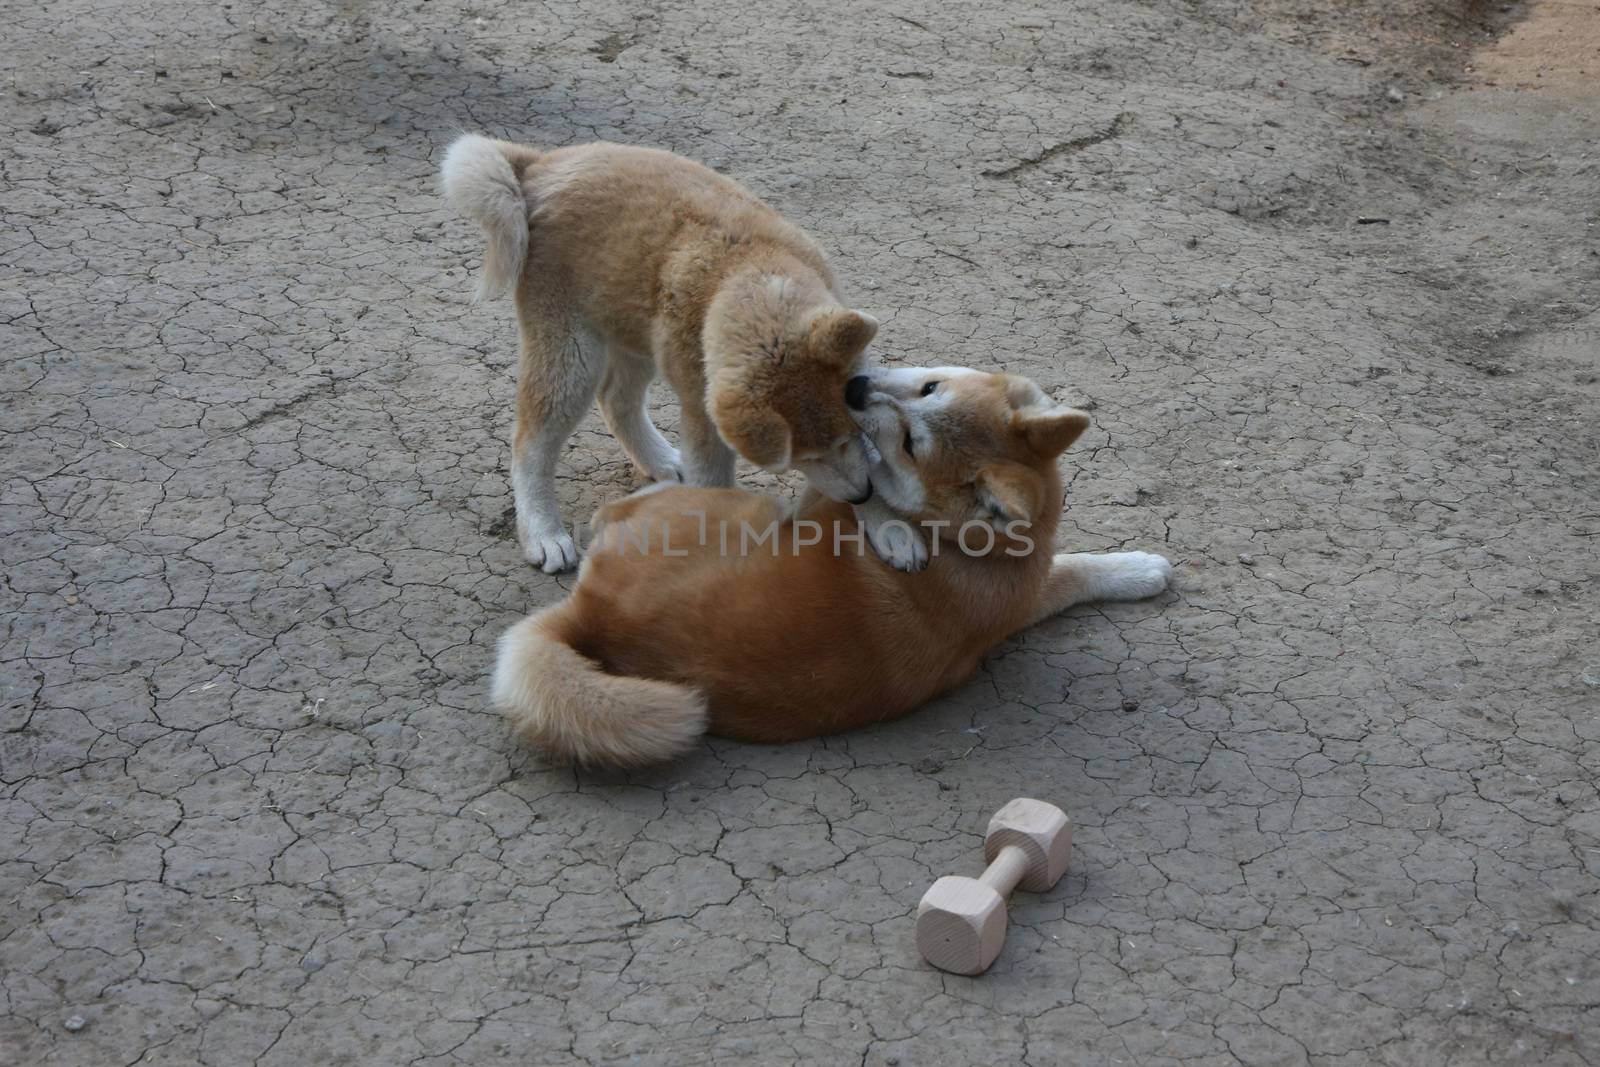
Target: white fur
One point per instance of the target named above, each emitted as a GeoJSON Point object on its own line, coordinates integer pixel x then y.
{"type": "Point", "coordinates": [1121, 575]}
{"type": "Point", "coordinates": [479, 182]}
{"type": "Point", "coordinates": [545, 542]}
{"type": "Point", "coordinates": [895, 541]}
{"type": "Point", "coordinates": [841, 474]}
{"type": "Point", "coordinates": [713, 465]}
{"type": "Point", "coordinates": [622, 403]}
{"type": "Point", "coordinates": [781, 291]}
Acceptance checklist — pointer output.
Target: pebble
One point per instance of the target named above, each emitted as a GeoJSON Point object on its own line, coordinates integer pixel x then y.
{"type": "Point", "coordinates": [1395, 95]}
{"type": "Point", "coordinates": [1130, 705]}
{"type": "Point", "coordinates": [313, 962]}
{"type": "Point", "coordinates": [1591, 675]}
{"type": "Point", "coordinates": [75, 1023]}
{"type": "Point", "coordinates": [1247, 559]}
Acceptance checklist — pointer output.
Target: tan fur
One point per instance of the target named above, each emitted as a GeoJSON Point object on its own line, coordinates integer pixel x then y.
{"type": "Point", "coordinates": [584, 714]}
{"type": "Point", "coordinates": [632, 262]}
{"type": "Point", "coordinates": [804, 642]}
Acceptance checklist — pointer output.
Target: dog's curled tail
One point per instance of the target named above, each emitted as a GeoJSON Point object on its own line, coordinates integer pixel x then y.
{"type": "Point", "coordinates": [562, 702]}
{"type": "Point", "coordinates": [481, 181]}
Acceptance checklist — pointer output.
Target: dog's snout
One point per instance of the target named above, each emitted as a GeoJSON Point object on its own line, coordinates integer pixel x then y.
{"type": "Point", "coordinates": [855, 393]}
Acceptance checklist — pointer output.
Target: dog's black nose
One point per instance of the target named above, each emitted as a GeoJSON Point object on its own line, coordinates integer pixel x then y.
{"type": "Point", "coordinates": [855, 393]}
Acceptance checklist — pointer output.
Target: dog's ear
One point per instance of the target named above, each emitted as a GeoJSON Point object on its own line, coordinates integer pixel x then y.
{"type": "Point", "coordinates": [753, 430]}
{"type": "Point", "coordinates": [1024, 393]}
{"type": "Point", "coordinates": [1010, 492]}
{"type": "Point", "coordinates": [1050, 430]}
{"type": "Point", "coordinates": [843, 333]}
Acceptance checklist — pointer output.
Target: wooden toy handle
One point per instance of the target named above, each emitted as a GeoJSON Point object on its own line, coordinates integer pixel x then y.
{"type": "Point", "coordinates": [1006, 870]}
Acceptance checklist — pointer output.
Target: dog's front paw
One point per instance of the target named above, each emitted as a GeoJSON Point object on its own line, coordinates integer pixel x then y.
{"type": "Point", "coordinates": [552, 553]}
{"type": "Point", "coordinates": [899, 545]}
{"type": "Point", "coordinates": [1132, 575]}
{"type": "Point", "coordinates": [666, 469]}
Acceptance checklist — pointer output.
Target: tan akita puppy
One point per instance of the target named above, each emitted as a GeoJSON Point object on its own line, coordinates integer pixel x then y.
{"type": "Point", "coordinates": [700, 609]}
{"type": "Point", "coordinates": [629, 262]}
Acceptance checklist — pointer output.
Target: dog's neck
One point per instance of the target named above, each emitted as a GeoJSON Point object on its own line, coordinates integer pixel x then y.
{"type": "Point", "coordinates": [997, 590]}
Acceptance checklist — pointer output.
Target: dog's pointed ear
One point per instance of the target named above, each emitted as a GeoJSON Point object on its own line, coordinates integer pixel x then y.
{"type": "Point", "coordinates": [1050, 430]}
{"type": "Point", "coordinates": [843, 333]}
{"type": "Point", "coordinates": [1010, 492]}
{"type": "Point", "coordinates": [753, 430]}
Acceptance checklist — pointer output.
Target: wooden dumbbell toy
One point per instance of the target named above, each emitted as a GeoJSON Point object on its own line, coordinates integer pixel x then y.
{"type": "Point", "coordinates": [961, 922]}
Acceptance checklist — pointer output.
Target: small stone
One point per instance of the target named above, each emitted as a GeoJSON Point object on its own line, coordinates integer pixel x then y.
{"type": "Point", "coordinates": [1130, 705]}
{"type": "Point", "coordinates": [75, 1023]}
{"type": "Point", "coordinates": [1395, 95]}
{"type": "Point", "coordinates": [1247, 559]}
{"type": "Point", "coordinates": [313, 962]}
{"type": "Point", "coordinates": [1591, 675]}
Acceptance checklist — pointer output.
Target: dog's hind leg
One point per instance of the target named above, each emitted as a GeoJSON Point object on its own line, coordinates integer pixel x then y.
{"type": "Point", "coordinates": [622, 392]}
{"type": "Point", "coordinates": [558, 373]}
{"type": "Point", "coordinates": [1082, 577]}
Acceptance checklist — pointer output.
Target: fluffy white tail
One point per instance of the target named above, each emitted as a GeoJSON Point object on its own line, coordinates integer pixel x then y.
{"type": "Point", "coordinates": [480, 183]}
{"type": "Point", "coordinates": [564, 703]}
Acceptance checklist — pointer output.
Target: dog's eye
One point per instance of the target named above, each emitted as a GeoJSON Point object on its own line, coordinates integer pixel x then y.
{"type": "Point", "coordinates": [927, 390]}
{"type": "Point", "coordinates": [906, 444]}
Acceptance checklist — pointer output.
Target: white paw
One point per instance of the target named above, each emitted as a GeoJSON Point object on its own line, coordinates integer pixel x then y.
{"type": "Point", "coordinates": [666, 468]}
{"type": "Point", "coordinates": [551, 554]}
{"type": "Point", "coordinates": [898, 545]}
{"type": "Point", "coordinates": [1131, 575]}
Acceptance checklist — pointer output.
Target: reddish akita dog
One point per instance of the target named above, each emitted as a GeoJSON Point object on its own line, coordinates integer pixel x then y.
{"type": "Point", "coordinates": [717, 610]}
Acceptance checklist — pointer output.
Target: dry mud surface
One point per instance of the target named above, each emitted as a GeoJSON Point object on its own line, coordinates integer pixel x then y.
{"type": "Point", "coordinates": [1335, 794]}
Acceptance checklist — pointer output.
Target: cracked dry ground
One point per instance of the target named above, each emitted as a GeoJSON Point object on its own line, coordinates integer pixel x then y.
{"type": "Point", "coordinates": [1334, 794]}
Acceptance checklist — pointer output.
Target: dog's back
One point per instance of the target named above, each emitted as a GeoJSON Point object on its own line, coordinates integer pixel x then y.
{"type": "Point", "coordinates": [610, 220]}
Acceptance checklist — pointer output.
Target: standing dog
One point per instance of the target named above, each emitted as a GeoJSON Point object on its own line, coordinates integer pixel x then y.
{"type": "Point", "coordinates": [677, 626]}
{"type": "Point", "coordinates": [629, 262]}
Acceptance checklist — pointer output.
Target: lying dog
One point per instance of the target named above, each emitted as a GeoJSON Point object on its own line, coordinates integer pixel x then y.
{"type": "Point", "coordinates": [629, 261]}
{"type": "Point", "coordinates": [678, 626]}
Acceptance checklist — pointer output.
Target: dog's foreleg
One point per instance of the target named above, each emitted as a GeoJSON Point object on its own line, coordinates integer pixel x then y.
{"type": "Point", "coordinates": [556, 386]}
{"type": "Point", "coordinates": [1082, 577]}
{"type": "Point", "coordinates": [622, 395]}
{"type": "Point", "coordinates": [707, 459]}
